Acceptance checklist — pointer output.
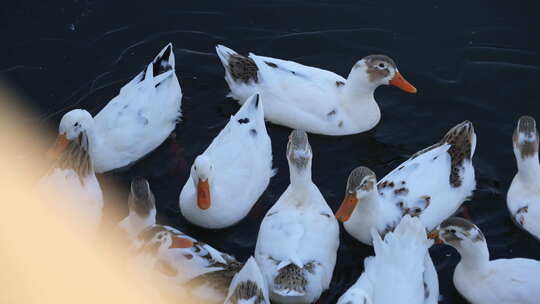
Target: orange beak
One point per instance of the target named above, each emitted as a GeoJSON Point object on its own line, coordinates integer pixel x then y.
{"type": "Point", "coordinates": [400, 82]}
{"type": "Point", "coordinates": [61, 144]}
{"type": "Point", "coordinates": [179, 242]}
{"type": "Point", "coordinates": [434, 235]}
{"type": "Point", "coordinates": [347, 207]}
{"type": "Point", "coordinates": [203, 194]}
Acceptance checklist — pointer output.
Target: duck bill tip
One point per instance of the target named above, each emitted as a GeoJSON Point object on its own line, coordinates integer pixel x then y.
{"type": "Point", "coordinates": [347, 207]}
{"type": "Point", "coordinates": [400, 82]}
{"type": "Point", "coordinates": [203, 194]}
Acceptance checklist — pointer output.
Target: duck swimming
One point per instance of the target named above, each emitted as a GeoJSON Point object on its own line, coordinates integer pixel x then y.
{"type": "Point", "coordinates": [312, 99]}
{"type": "Point", "coordinates": [228, 178]}
{"type": "Point", "coordinates": [484, 281]}
{"type": "Point", "coordinates": [133, 123]}
{"type": "Point", "coordinates": [299, 236]}
{"type": "Point", "coordinates": [523, 199]}
{"type": "Point", "coordinates": [430, 185]}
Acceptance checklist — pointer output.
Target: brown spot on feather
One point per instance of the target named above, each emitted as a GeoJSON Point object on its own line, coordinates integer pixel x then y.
{"type": "Point", "coordinates": [243, 68]}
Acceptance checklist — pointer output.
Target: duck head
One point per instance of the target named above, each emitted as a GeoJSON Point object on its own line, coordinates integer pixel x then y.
{"type": "Point", "coordinates": [525, 138]}
{"type": "Point", "coordinates": [465, 237]}
{"type": "Point", "coordinates": [202, 173]}
{"type": "Point", "coordinates": [361, 184]}
{"type": "Point", "coordinates": [141, 200]}
{"type": "Point", "coordinates": [374, 70]}
{"type": "Point", "coordinates": [73, 124]}
{"type": "Point", "coordinates": [299, 152]}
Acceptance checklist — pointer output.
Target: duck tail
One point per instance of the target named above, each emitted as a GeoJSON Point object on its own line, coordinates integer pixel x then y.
{"type": "Point", "coordinates": [238, 68]}
{"type": "Point", "coordinates": [251, 112]}
{"type": "Point", "coordinates": [462, 141]}
{"type": "Point", "coordinates": [164, 61]}
{"type": "Point", "coordinates": [290, 281]}
{"type": "Point", "coordinates": [248, 284]}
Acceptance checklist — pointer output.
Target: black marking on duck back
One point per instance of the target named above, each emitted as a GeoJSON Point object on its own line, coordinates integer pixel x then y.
{"type": "Point", "coordinates": [243, 68]}
{"type": "Point", "coordinates": [162, 64]}
{"type": "Point", "coordinates": [271, 64]}
{"type": "Point", "coordinates": [243, 120]}
{"type": "Point", "coordinates": [247, 290]}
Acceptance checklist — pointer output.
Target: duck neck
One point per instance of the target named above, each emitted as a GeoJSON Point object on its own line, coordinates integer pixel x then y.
{"type": "Point", "coordinates": [358, 90]}
{"type": "Point", "coordinates": [474, 256]}
{"type": "Point", "coordinates": [528, 169]}
{"type": "Point", "coordinates": [369, 205]}
{"type": "Point", "coordinates": [300, 176]}
{"type": "Point", "coordinates": [138, 223]}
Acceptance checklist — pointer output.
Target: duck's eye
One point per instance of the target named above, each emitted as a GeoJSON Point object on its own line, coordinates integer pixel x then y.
{"type": "Point", "coordinates": [382, 65]}
{"type": "Point", "coordinates": [453, 231]}
{"type": "Point", "coordinates": [76, 124]}
{"type": "Point", "coordinates": [195, 168]}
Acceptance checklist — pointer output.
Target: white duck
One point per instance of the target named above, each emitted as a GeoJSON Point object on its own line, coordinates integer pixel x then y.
{"type": "Point", "coordinates": [523, 198]}
{"type": "Point", "coordinates": [248, 286]}
{"type": "Point", "coordinates": [72, 176]}
{"type": "Point", "coordinates": [228, 178]}
{"type": "Point", "coordinates": [482, 281]}
{"type": "Point", "coordinates": [299, 236]}
{"type": "Point", "coordinates": [312, 99]}
{"type": "Point", "coordinates": [432, 185]}
{"type": "Point", "coordinates": [133, 123]}
{"type": "Point", "coordinates": [398, 265]}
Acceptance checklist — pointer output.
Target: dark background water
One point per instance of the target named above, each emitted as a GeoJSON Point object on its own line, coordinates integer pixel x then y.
{"type": "Point", "coordinates": [475, 60]}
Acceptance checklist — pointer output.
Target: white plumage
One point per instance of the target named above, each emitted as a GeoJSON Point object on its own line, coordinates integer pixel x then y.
{"type": "Point", "coordinates": [308, 98]}
{"type": "Point", "coordinates": [299, 236]}
{"type": "Point", "coordinates": [236, 169]}
{"type": "Point", "coordinates": [136, 121]}
{"type": "Point", "coordinates": [396, 273]}
{"type": "Point", "coordinates": [523, 199]}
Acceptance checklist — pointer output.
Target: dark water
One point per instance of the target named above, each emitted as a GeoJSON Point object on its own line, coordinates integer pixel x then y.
{"type": "Point", "coordinates": [478, 61]}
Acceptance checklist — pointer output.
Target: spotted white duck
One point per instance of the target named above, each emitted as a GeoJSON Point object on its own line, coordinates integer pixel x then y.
{"type": "Point", "coordinates": [484, 281]}
{"type": "Point", "coordinates": [228, 178]}
{"type": "Point", "coordinates": [309, 98]}
{"type": "Point", "coordinates": [523, 198]}
{"type": "Point", "coordinates": [72, 177]}
{"type": "Point", "coordinates": [133, 123]}
{"type": "Point", "coordinates": [431, 185]}
{"type": "Point", "coordinates": [399, 265]}
{"type": "Point", "coordinates": [175, 257]}
{"type": "Point", "coordinates": [248, 286]}
{"type": "Point", "coordinates": [299, 236]}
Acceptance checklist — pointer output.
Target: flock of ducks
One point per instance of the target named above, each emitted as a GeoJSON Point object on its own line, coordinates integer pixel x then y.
{"type": "Point", "coordinates": [298, 240]}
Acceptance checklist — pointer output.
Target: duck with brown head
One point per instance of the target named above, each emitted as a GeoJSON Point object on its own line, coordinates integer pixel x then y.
{"type": "Point", "coordinates": [431, 185]}
{"type": "Point", "coordinates": [523, 199]}
{"type": "Point", "coordinates": [312, 99]}
{"type": "Point", "coordinates": [482, 281]}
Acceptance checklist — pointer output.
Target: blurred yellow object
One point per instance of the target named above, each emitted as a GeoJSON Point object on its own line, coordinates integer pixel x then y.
{"type": "Point", "coordinates": [42, 257]}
